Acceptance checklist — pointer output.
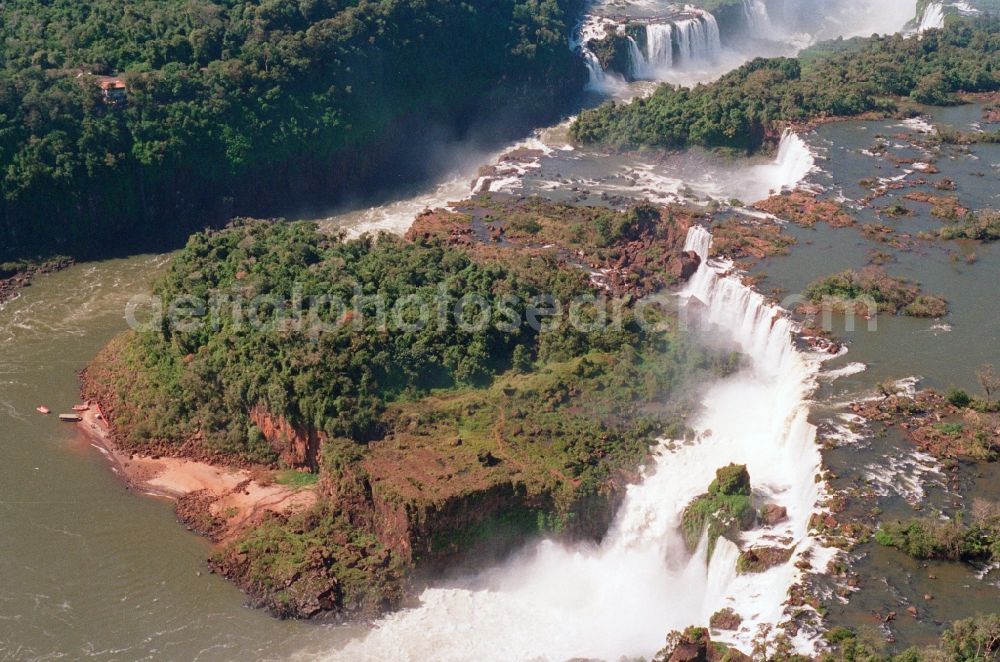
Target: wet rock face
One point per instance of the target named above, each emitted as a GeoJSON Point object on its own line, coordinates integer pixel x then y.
{"type": "Point", "coordinates": [690, 261]}
{"type": "Point", "coordinates": [760, 559]}
{"type": "Point", "coordinates": [772, 514]}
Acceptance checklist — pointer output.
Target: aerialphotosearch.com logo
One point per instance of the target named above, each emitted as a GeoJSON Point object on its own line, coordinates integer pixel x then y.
{"type": "Point", "coordinates": [438, 308]}
{"type": "Point", "coordinates": [313, 315]}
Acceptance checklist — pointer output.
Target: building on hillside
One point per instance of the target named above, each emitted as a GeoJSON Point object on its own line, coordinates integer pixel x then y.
{"type": "Point", "coordinates": [113, 89]}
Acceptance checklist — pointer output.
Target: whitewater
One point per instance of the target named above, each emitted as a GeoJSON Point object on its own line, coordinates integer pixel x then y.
{"type": "Point", "coordinates": [620, 598]}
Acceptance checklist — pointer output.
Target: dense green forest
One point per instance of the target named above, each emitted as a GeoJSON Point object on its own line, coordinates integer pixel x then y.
{"type": "Point", "coordinates": [745, 107]}
{"type": "Point", "coordinates": [337, 381]}
{"type": "Point", "coordinates": [473, 434]}
{"type": "Point", "coordinates": [326, 333]}
{"type": "Point", "coordinates": [245, 106]}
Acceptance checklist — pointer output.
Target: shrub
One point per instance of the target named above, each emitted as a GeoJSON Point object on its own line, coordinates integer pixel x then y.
{"type": "Point", "coordinates": [725, 509]}
{"type": "Point", "coordinates": [959, 398]}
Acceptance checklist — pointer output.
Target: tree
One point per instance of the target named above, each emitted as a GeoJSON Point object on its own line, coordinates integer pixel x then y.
{"type": "Point", "coordinates": [989, 381]}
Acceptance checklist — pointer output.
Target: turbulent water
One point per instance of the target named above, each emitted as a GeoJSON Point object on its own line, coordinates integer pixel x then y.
{"type": "Point", "coordinates": [932, 18]}
{"type": "Point", "coordinates": [555, 602]}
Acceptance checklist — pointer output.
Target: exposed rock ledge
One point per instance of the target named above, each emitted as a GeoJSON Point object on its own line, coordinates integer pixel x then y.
{"type": "Point", "coordinates": [213, 500]}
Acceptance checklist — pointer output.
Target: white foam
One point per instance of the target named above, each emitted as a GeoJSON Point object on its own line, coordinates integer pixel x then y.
{"type": "Point", "coordinates": [622, 597]}
{"type": "Point", "coordinates": [932, 18]}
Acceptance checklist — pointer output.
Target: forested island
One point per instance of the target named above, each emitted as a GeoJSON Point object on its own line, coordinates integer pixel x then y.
{"type": "Point", "coordinates": [752, 104]}
{"type": "Point", "coordinates": [431, 444]}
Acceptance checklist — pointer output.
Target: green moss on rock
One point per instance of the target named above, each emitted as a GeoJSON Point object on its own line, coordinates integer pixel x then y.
{"type": "Point", "coordinates": [726, 509]}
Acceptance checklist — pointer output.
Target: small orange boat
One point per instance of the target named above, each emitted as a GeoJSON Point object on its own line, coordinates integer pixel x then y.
{"type": "Point", "coordinates": [42, 409]}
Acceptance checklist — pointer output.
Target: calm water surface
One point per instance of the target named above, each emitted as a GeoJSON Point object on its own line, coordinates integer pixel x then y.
{"type": "Point", "coordinates": [942, 353]}
{"type": "Point", "coordinates": [88, 569]}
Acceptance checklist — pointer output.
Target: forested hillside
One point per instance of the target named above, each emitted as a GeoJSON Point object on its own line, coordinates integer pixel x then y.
{"type": "Point", "coordinates": [743, 107]}
{"type": "Point", "coordinates": [244, 106]}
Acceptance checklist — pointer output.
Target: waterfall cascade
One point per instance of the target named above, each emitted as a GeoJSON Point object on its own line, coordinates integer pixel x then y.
{"type": "Point", "coordinates": [600, 80]}
{"type": "Point", "coordinates": [757, 19]}
{"type": "Point", "coordinates": [659, 47]}
{"type": "Point", "coordinates": [698, 39]}
{"type": "Point", "coordinates": [932, 18]}
{"type": "Point", "coordinates": [598, 77]}
{"type": "Point", "coordinates": [620, 598]}
{"type": "Point", "coordinates": [934, 13]}
{"type": "Point", "coordinates": [659, 54]}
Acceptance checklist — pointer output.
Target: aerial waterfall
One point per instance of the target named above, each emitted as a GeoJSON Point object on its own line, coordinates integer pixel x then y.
{"type": "Point", "coordinates": [932, 18]}
{"type": "Point", "coordinates": [659, 53]}
{"type": "Point", "coordinates": [757, 19]}
{"type": "Point", "coordinates": [660, 47]}
{"type": "Point", "coordinates": [698, 39]}
{"type": "Point", "coordinates": [598, 77]}
{"type": "Point", "coordinates": [620, 598]}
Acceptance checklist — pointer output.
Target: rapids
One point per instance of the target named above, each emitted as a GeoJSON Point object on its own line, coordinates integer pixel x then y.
{"type": "Point", "coordinates": [554, 601]}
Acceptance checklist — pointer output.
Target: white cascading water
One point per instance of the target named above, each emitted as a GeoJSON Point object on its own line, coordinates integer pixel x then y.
{"type": "Point", "coordinates": [605, 82]}
{"type": "Point", "coordinates": [793, 162]}
{"type": "Point", "coordinates": [659, 55]}
{"type": "Point", "coordinates": [932, 18]}
{"type": "Point", "coordinates": [598, 78]}
{"type": "Point", "coordinates": [756, 16]}
{"type": "Point", "coordinates": [621, 598]}
{"type": "Point", "coordinates": [698, 39]}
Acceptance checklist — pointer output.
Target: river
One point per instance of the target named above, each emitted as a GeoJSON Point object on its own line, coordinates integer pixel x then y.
{"type": "Point", "coordinates": [91, 571]}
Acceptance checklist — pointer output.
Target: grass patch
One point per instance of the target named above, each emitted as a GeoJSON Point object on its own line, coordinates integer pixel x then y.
{"type": "Point", "coordinates": [296, 479]}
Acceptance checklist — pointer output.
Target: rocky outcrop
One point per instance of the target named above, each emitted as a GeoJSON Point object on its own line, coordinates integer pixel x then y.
{"type": "Point", "coordinates": [746, 238]}
{"type": "Point", "coordinates": [725, 619]}
{"type": "Point", "coordinates": [695, 645]}
{"type": "Point", "coordinates": [612, 52]}
{"type": "Point", "coordinates": [806, 209]}
{"type": "Point", "coordinates": [725, 509]}
{"type": "Point", "coordinates": [296, 446]}
{"type": "Point", "coordinates": [687, 265]}
{"type": "Point", "coordinates": [16, 276]}
{"type": "Point", "coordinates": [772, 514]}
{"type": "Point", "coordinates": [760, 559]}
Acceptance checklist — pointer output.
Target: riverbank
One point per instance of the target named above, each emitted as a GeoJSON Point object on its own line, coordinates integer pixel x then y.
{"type": "Point", "coordinates": [217, 501]}
{"type": "Point", "coordinates": [15, 276]}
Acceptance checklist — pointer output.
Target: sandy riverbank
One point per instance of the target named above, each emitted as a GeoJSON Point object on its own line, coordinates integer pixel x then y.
{"type": "Point", "coordinates": [228, 497]}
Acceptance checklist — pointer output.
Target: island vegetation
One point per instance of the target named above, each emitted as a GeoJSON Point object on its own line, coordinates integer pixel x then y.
{"type": "Point", "coordinates": [724, 510]}
{"type": "Point", "coordinates": [948, 540]}
{"type": "Point", "coordinates": [747, 107]}
{"type": "Point", "coordinates": [871, 291]}
{"type": "Point", "coordinates": [430, 443]}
